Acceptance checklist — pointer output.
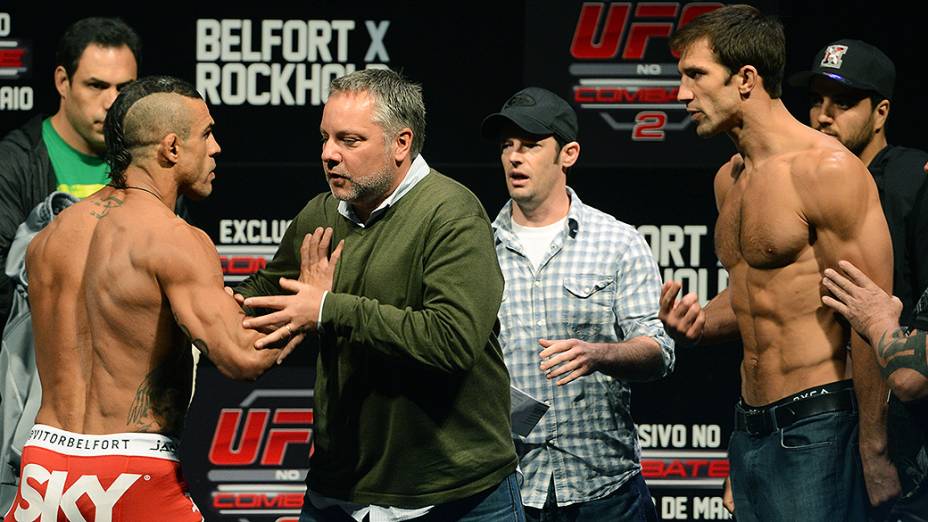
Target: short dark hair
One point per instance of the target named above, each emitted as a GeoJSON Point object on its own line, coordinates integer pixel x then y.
{"type": "Point", "coordinates": [106, 32]}
{"type": "Point", "coordinates": [740, 35]}
{"type": "Point", "coordinates": [875, 99]}
{"type": "Point", "coordinates": [119, 143]}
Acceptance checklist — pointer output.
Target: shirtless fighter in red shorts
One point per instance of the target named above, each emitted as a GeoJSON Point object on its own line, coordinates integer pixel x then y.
{"type": "Point", "coordinates": [120, 288]}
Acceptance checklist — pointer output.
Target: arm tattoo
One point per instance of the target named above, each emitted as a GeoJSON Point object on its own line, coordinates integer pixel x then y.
{"type": "Point", "coordinates": [107, 204]}
{"type": "Point", "coordinates": [896, 350]}
{"type": "Point", "coordinates": [199, 343]}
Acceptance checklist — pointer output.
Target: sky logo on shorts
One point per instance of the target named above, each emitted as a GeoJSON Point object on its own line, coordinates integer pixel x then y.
{"type": "Point", "coordinates": [45, 508]}
{"type": "Point", "coordinates": [834, 56]}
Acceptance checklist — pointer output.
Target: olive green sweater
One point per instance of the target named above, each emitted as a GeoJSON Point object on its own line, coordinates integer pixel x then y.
{"type": "Point", "coordinates": [412, 394]}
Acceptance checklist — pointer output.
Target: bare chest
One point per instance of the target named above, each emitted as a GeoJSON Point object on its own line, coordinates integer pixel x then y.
{"type": "Point", "coordinates": [761, 222]}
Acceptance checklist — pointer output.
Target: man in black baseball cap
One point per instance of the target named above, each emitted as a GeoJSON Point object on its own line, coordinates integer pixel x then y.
{"type": "Point", "coordinates": [854, 64]}
{"type": "Point", "coordinates": [559, 255]}
{"type": "Point", "coordinates": [851, 84]}
{"type": "Point", "coordinates": [851, 87]}
{"type": "Point", "coordinates": [536, 111]}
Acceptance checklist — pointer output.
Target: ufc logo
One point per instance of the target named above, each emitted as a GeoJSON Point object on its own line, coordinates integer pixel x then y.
{"type": "Point", "coordinates": [44, 508]}
{"type": "Point", "coordinates": [251, 435]}
{"type": "Point", "coordinates": [651, 20]}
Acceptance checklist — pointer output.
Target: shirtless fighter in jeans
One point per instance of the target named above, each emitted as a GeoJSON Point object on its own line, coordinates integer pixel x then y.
{"type": "Point", "coordinates": [791, 203]}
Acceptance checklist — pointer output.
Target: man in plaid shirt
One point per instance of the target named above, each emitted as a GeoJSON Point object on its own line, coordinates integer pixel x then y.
{"type": "Point", "coordinates": [581, 300]}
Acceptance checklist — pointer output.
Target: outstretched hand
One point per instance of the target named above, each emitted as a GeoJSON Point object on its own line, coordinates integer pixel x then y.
{"type": "Point", "coordinates": [316, 266]}
{"type": "Point", "coordinates": [684, 320]}
{"type": "Point", "coordinates": [298, 313]}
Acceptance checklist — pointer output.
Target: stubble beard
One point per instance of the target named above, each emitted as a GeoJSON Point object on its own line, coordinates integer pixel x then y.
{"type": "Point", "coordinates": [361, 191]}
{"type": "Point", "coordinates": [858, 141]}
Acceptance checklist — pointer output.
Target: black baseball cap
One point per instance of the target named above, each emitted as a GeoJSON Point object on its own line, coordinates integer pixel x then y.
{"type": "Point", "coordinates": [854, 63]}
{"type": "Point", "coordinates": [536, 111]}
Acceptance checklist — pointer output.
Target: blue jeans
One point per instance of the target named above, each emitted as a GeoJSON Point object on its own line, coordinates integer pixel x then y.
{"type": "Point", "coordinates": [810, 470]}
{"type": "Point", "coordinates": [630, 503]}
{"type": "Point", "coordinates": [502, 503]}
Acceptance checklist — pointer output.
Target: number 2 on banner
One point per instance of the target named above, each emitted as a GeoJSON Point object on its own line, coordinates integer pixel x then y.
{"type": "Point", "coordinates": [649, 126]}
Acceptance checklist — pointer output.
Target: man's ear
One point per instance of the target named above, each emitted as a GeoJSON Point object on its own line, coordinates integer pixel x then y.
{"type": "Point", "coordinates": [169, 150]}
{"type": "Point", "coordinates": [749, 80]}
{"type": "Point", "coordinates": [62, 82]}
{"type": "Point", "coordinates": [570, 153]}
{"type": "Point", "coordinates": [402, 145]}
{"type": "Point", "coordinates": [880, 114]}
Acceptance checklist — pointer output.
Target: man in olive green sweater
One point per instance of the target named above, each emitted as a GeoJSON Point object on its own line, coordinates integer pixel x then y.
{"type": "Point", "coordinates": [412, 394]}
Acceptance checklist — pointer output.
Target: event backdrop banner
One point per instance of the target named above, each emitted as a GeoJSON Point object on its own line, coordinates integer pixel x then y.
{"type": "Point", "coordinates": [265, 70]}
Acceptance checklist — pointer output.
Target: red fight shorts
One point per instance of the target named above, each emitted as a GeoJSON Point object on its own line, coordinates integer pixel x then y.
{"type": "Point", "coordinates": [121, 477]}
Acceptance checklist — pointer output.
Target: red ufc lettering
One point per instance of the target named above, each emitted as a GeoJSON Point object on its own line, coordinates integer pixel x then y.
{"type": "Point", "coordinates": [221, 451]}
{"type": "Point", "coordinates": [279, 438]}
{"type": "Point", "coordinates": [585, 45]}
{"type": "Point", "coordinates": [642, 32]}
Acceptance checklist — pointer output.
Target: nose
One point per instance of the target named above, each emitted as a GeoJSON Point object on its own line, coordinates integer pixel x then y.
{"type": "Point", "coordinates": [110, 97]}
{"type": "Point", "coordinates": [330, 154]}
{"type": "Point", "coordinates": [684, 93]}
{"type": "Point", "coordinates": [216, 148]}
{"type": "Point", "coordinates": [823, 114]}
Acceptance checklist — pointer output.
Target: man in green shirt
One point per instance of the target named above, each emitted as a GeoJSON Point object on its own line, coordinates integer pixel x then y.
{"type": "Point", "coordinates": [95, 58]}
{"type": "Point", "coordinates": [412, 394]}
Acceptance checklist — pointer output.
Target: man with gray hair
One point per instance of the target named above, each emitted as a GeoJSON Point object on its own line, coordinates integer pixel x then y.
{"type": "Point", "coordinates": [412, 394]}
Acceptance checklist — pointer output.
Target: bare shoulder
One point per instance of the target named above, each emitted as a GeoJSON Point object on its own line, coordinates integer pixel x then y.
{"type": "Point", "coordinates": [726, 177]}
{"type": "Point", "coordinates": [66, 236]}
{"type": "Point", "coordinates": [183, 255]}
{"type": "Point", "coordinates": [826, 167]}
{"type": "Point", "coordinates": [181, 234]}
{"type": "Point", "coordinates": [834, 187]}
{"type": "Point", "coordinates": [179, 245]}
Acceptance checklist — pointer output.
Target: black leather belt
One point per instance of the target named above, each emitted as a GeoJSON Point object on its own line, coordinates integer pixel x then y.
{"type": "Point", "coordinates": [764, 421]}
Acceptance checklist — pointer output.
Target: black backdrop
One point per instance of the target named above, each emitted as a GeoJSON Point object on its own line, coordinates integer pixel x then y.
{"type": "Point", "coordinates": [469, 57]}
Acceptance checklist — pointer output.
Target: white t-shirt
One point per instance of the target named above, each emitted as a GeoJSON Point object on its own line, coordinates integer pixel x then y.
{"type": "Point", "coordinates": [536, 241]}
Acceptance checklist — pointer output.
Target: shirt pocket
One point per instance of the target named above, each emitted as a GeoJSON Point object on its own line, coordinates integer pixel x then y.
{"type": "Point", "coordinates": [588, 301]}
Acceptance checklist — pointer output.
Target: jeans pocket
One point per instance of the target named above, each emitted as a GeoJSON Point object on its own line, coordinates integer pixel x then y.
{"type": "Point", "coordinates": [809, 433]}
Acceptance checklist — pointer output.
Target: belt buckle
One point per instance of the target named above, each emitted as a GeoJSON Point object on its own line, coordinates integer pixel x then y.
{"type": "Point", "coordinates": [785, 415]}
{"type": "Point", "coordinates": [756, 422]}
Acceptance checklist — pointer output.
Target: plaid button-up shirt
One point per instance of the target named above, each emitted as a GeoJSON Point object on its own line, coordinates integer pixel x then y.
{"type": "Point", "coordinates": [598, 283]}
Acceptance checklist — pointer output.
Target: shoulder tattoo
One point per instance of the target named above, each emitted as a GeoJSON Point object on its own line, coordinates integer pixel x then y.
{"type": "Point", "coordinates": [108, 203]}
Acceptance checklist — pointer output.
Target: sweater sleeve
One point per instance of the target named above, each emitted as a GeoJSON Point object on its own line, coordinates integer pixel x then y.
{"type": "Point", "coordinates": [286, 263]}
{"type": "Point", "coordinates": [462, 290]}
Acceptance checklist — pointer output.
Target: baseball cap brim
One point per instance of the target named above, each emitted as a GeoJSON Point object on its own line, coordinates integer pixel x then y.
{"type": "Point", "coordinates": [804, 78]}
{"type": "Point", "coordinates": [492, 124]}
